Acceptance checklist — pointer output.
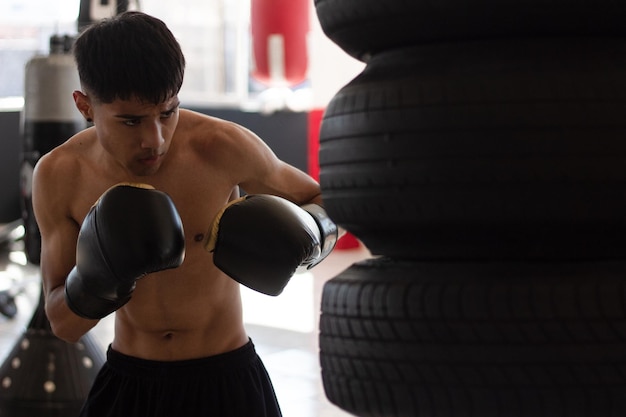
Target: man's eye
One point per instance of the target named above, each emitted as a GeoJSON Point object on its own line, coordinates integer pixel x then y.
{"type": "Point", "coordinates": [167, 114]}
{"type": "Point", "coordinates": [131, 122]}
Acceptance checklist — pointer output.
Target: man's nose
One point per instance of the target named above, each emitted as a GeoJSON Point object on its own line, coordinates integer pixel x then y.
{"type": "Point", "coordinates": [152, 137]}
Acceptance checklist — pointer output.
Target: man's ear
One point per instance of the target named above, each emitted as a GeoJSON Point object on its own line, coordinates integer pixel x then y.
{"type": "Point", "coordinates": [83, 104]}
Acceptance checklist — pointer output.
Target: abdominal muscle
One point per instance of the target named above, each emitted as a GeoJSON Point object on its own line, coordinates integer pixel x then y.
{"type": "Point", "coordinates": [181, 314]}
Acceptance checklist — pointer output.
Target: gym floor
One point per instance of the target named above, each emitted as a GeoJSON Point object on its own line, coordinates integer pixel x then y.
{"type": "Point", "coordinates": [284, 328]}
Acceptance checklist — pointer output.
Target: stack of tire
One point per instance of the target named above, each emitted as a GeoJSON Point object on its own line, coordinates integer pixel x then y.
{"type": "Point", "coordinates": [481, 156]}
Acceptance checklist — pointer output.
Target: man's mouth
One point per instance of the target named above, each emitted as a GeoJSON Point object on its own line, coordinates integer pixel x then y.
{"type": "Point", "coordinates": [150, 159]}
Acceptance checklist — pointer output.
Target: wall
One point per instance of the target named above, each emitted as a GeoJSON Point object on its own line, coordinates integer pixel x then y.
{"type": "Point", "coordinates": [330, 68]}
{"type": "Point", "coordinates": [10, 148]}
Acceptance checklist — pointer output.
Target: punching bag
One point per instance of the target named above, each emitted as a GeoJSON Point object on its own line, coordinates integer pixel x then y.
{"type": "Point", "coordinates": [44, 376]}
{"type": "Point", "coordinates": [49, 118]}
{"type": "Point", "coordinates": [279, 41]}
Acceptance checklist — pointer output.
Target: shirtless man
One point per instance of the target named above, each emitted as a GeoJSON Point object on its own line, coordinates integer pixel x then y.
{"type": "Point", "coordinates": [180, 347]}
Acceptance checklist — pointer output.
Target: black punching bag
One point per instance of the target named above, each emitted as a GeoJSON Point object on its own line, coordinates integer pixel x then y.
{"type": "Point", "coordinates": [49, 119]}
{"type": "Point", "coordinates": [44, 376]}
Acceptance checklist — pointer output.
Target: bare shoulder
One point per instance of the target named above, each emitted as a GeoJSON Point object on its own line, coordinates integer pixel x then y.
{"type": "Point", "coordinates": [63, 162]}
{"type": "Point", "coordinates": [243, 157]}
{"type": "Point", "coordinates": [58, 173]}
{"type": "Point", "coordinates": [211, 133]}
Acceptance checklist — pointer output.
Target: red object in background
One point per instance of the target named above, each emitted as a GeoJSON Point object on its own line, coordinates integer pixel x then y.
{"type": "Point", "coordinates": [279, 41]}
{"type": "Point", "coordinates": [315, 122]}
{"type": "Point", "coordinates": [347, 241]}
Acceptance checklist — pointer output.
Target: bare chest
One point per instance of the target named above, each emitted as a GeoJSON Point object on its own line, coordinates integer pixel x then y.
{"type": "Point", "coordinates": [198, 191]}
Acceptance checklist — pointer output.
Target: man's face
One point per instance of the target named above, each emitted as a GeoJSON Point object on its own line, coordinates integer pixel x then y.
{"type": "Point", "coordinates": [137, 135]}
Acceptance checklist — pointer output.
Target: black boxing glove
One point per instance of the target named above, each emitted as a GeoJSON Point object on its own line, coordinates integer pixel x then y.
{"type": "Point", "coordinates": [261, 240]}
{"type": "Point", "coordinates": [131, 231]}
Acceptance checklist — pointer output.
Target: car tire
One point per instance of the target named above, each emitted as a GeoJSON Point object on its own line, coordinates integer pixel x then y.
{"type": "Point", "coordinates": [366, 27]}
{"type": "Point", "coordinates": [420, 339]}
{"type": "Point", "coordinates": [487, 150]}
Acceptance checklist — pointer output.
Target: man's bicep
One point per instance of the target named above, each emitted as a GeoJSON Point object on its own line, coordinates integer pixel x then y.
{"type": "Point", "coordinates": [59, 232]}
{"type": "Point", "coordinates": [288, 182]}
{"type": "Point", "coordinates": [58, 252]}
{"type": "Point", "coordinates": [261, 171]}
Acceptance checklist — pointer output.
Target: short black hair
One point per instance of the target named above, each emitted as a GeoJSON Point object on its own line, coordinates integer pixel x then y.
{"type": "Point", "coordinates": [131, 55]}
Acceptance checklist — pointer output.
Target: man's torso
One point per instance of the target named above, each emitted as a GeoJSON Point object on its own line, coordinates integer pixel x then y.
{"type": "Point", "coordinates": [191, 311]}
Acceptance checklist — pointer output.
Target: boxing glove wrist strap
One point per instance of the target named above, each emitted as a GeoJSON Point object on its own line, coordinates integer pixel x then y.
{"type": "Point", "coordinates": [328, 230]}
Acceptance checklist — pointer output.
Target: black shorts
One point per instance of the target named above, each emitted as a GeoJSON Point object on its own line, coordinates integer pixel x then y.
{"type": "Point", "coordinates": [232, 384]}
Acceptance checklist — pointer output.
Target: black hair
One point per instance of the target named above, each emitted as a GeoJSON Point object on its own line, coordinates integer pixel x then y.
{"type": "Point", "coordinates": [131, 55]}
